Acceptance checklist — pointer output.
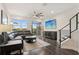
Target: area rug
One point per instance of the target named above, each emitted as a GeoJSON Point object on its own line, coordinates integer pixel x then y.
{"type": "Point", "coordinates": [31, 46]}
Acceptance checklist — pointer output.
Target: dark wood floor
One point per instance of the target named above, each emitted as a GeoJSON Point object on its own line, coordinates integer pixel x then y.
{"type": "Point", "coordinates": [52, 50]}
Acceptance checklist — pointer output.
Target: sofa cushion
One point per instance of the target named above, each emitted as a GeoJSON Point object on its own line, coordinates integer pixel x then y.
{"type": "Point", "coordinates": [1, 39]}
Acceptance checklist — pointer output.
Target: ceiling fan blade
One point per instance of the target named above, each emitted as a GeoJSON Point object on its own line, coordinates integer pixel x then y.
{"type": "Point", "coordinates": [40, 13]}
{"type": "Point", "coordinates": [34, 12]}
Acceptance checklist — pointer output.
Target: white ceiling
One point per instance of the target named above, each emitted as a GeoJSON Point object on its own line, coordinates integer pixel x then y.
{"type": "Point", "coordinates": [27, 9]}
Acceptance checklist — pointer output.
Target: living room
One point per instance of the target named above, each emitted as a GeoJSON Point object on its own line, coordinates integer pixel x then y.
{"type": "Point", "coordinates": [33, 28]}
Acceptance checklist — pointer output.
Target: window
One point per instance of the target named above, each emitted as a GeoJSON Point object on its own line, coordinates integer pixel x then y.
{"type": "Point", "coordinates": [4, 18]}
{"type": "Point", "coordinates": [19, 24]}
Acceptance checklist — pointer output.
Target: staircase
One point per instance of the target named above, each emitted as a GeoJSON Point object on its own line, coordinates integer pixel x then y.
{"type": "Point", "coordinates": [65, 34]}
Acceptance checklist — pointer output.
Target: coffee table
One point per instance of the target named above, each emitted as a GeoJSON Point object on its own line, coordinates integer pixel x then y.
{"type": "Point", "coordinates": [29, 39]}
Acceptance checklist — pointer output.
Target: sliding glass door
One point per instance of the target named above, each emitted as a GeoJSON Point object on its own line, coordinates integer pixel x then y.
{"type": "Point", "coordinates": [36, 28]}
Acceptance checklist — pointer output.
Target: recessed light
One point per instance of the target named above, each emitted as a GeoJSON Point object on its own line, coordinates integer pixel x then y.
{"type": "Point", "coordinates": [52, 12]}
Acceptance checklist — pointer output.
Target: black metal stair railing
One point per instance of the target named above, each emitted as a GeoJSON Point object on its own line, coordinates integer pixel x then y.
{"type": "Point", "coordinates": [74, 23]}
{"type": "Point", "coordinates": [66, 31]}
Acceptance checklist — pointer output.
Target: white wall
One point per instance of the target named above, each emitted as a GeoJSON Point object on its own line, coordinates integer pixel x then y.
{"type": "Point", "coordinates": [63, 18]}
{"type": "Point", "coordinates": [75, 37]}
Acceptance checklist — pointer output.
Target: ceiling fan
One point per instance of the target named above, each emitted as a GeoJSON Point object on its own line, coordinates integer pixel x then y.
{"type": "Point", "coordinates": [38, 14]}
